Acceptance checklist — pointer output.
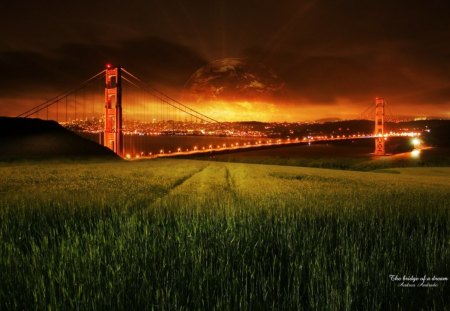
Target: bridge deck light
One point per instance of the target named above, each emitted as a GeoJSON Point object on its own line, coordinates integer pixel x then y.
{"type": "Point", "coordinates": [416, 141]}
{"type": "Point", "coordinates": [415, 153]}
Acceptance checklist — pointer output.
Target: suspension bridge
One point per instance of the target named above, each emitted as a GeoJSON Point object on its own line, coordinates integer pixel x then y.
{"type": "Point", "coordinates": [119, 110]}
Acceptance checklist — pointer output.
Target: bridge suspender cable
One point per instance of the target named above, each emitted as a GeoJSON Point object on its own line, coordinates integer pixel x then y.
{"type": "Point", "coordinates": [367, 111]}
{"type": "Point", "coordinates": [153, 90]}
{"type": "Point", "coordinates": [171, 104]}
{"type": "Point", "coordinates": [57, 98]}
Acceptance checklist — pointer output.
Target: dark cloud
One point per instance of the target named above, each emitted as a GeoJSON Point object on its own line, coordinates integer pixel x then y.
{"type": "Point", "coordinates": [324, 51]}
{"type": "Point", "coordinates": [156, 60]}
{"type": "Point", "coordinates": [439, 97]}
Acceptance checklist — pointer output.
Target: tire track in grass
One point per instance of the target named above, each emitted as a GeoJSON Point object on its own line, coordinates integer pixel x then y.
{"type": "Point", "coordinates": [231, 184]}
{"type": "Point", "coordinates": [179, 183]}
{"type": "Point", "coordinates": [148, 196]}
{"type": "Point", "coordinates": [205, 188]}
{"type": "Point", "coordinates": [156, 203]}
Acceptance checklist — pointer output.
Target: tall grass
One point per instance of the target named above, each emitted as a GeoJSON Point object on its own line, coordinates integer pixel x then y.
{"type": "Point", "coordinates": [171, 234]}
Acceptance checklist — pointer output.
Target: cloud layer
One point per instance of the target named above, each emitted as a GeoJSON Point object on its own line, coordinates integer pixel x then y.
{"type": "Point", "coordinates": [327, 52]}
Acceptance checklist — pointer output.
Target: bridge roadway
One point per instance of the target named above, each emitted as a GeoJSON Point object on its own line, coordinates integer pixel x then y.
{"type": "Point", "coordinates": [261, 145]}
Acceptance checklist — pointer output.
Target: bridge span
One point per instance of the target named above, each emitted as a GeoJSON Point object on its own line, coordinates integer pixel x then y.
{"type": "Point", "coordinates": [103, 107]}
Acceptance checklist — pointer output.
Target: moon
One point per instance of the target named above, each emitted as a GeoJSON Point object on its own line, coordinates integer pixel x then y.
{"type": "Point", "coordinates": [232, 79]}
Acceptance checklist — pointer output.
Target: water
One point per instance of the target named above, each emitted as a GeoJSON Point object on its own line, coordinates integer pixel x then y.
{"type": "Point", "coordinates": [145, 145]}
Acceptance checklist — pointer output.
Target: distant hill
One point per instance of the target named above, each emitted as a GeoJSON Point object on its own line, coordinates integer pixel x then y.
{"type": "Point", "coordinates": [36, 139]}
{"type": "Point", "coordinates": [435, 132]}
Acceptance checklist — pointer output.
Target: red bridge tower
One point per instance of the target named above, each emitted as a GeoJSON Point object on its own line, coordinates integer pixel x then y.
{"type": "Point", "coordinates": [113, 138]}
{"type": "Point", "coordinates": [379, 127]}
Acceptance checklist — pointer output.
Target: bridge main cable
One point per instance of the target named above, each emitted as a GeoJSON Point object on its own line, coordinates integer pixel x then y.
{"type": "Point", "coordinates": [59, 97]}
{"type": "Point", "coordinates": [153, 90]}
{"type": "Point", "coordinates": [169, 103]}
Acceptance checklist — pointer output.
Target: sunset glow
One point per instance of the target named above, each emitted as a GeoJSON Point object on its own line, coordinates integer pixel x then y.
{"type": "Point", "coordinates": [266, 68]}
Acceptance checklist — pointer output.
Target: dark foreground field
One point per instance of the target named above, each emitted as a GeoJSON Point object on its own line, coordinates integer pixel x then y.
{"type": "Point", "coordinates": [180, 234]}
{"type": "Point", "coordinates": [347, 155]}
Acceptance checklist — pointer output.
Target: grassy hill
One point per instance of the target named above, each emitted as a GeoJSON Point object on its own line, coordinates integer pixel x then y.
{"type": "Point", "coordinates": [182, 234]}
{"type": "Point", "coordinates": [35, 139]}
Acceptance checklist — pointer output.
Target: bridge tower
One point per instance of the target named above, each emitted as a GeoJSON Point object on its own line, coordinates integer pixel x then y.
{"type": "Point", "coordinates": [379, 127]}
{"type": "Point", "coordinates": [113, 138]}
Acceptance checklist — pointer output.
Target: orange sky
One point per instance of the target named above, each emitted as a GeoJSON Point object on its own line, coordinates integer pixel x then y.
{"type": "Point", "coordinates": [331, 57]}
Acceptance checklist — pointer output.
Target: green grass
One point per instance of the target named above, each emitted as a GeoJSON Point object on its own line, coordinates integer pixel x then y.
{"type": "Point", "coordinates": [180, 234]}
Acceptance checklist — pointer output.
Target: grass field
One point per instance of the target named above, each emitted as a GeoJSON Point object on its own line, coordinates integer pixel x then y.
{"type": "Point", "coordinates": [182, 234]}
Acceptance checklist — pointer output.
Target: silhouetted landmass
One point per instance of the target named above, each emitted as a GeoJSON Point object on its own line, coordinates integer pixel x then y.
{"type": "Point", "coordinates": [437, 131]}
{"type": "Point", "coordinates": [35, 139]}
{"type": "Point", "coordinates": [439, 134]}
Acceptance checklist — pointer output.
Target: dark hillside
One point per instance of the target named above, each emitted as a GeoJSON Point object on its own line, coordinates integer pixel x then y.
{"type": "Point", "coordinates": [36, 139]}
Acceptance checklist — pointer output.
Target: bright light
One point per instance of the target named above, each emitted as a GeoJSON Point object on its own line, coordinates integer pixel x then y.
{"type": "Point", "coordinates": [128, 156]}
{"type": "Point", "coordinates": [415, 141]}
{"type": "Point", "coordinates": [415, 153]}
